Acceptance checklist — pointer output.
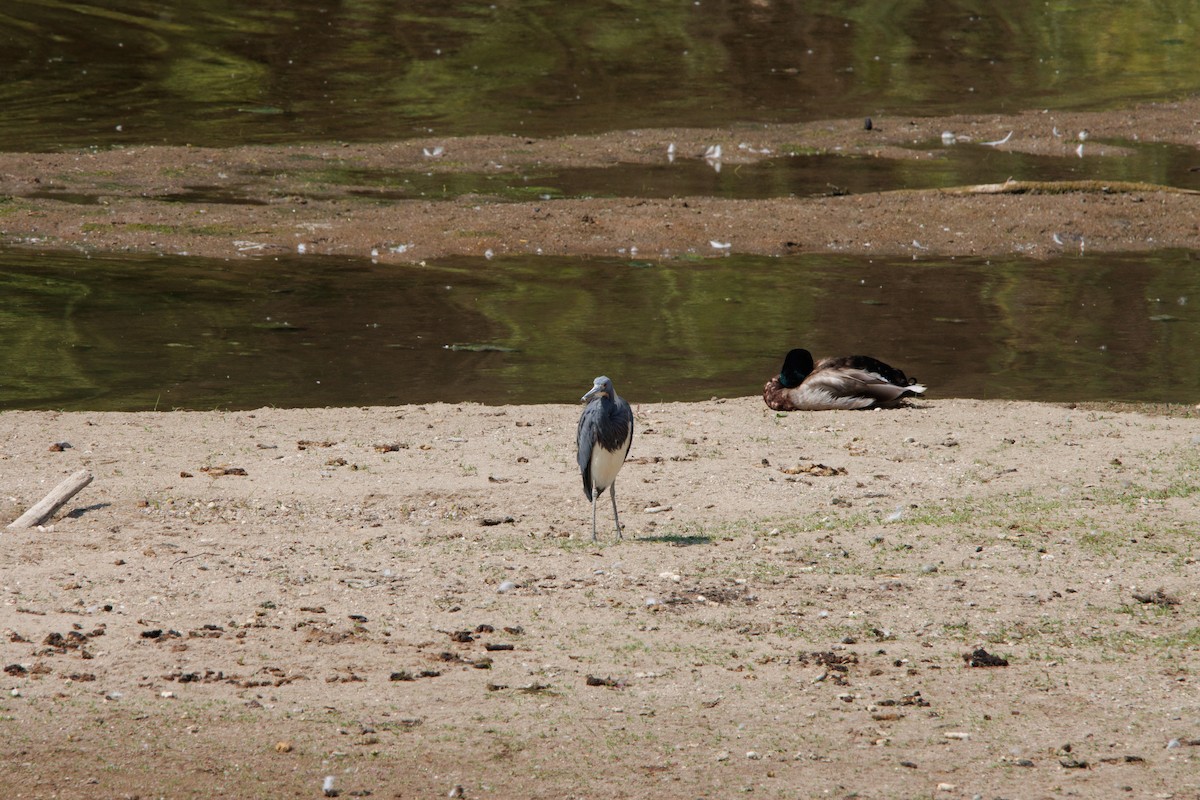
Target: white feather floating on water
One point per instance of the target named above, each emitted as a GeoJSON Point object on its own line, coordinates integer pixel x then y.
{"type": "Point", "coordinates": [765, 151]}
{"type": "Point", "coordinates": [998, 142]}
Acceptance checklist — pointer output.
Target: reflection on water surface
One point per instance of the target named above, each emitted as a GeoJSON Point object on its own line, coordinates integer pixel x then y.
{"type": "Point", "coordinates": [223, 72]}
{"type": "Point", "coordinates": [142, 332]}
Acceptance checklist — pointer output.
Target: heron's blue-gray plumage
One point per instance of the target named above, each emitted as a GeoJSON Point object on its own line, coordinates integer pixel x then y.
{"type": "Point", "coordinates": [604, 437]}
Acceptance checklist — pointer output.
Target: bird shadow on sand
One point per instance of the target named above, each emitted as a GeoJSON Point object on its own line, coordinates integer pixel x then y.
{"type": "Point", "coordinates": [675, 540]}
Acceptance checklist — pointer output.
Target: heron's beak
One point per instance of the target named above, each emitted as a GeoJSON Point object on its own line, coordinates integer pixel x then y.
{"type": "Point", "coordinates": [595, 390]}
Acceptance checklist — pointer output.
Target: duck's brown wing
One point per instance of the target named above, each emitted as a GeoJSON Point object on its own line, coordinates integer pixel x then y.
{"type": "Point", "coordinates": [820, 391]}
{"type": "Point", "coordinates": [847, 387]}
{"type": "Point", "coordinates": [866, 364]}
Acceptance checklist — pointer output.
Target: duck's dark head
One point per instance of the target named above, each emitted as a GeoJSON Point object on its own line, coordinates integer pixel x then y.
{"type": "Point", "coordinates": [796, 367]}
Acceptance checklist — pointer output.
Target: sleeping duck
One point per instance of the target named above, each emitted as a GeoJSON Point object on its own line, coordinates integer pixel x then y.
{"type": "Point", "coordinates": [845, 382]}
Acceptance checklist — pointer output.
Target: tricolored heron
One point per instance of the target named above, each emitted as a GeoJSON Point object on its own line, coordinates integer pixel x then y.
{"type": "Point", "coordinates": [604, 436]}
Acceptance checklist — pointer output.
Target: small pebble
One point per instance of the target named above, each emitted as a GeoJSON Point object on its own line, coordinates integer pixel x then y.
{"type": "Point", "coordinates": [507, 586]}
{"type": "Point", "coordinates": [327, 787]}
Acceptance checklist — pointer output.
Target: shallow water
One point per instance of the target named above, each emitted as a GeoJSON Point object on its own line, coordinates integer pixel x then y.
{"type": "Point", "coordinates": [143, 332]}
{"type": "Point", "coordinates": [807, 175]}
{"type": "Point", "coordinates": [223, 72]}
{"type": "Point", "coordinates": [777, 175]}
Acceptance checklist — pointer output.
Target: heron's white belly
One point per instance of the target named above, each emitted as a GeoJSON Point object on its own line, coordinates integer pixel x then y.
{"type": "Point", "coordinates": [606, 465]}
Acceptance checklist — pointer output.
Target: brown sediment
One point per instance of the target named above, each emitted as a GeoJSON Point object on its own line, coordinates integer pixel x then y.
{"type": "Point", "coordinates": [323, 199]}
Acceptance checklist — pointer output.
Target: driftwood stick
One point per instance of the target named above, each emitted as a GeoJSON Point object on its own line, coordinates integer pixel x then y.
{"type": "Point", "coordinates": [52, 502]}
{"type": "Point", "coordinates": [1063, 187]}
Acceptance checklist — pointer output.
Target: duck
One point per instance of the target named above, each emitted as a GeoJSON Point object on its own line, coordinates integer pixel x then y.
{"type": "Point", "coordinates": [849, 382]}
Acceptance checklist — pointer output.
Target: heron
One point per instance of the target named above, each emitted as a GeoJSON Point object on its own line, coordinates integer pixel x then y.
{"type": "Point", "coordinates": [842, 382]}
{"type": "Point", "coordinates": [604, 437]}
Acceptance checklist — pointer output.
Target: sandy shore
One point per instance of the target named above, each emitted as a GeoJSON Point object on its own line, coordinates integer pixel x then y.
{"type": "Point", "coordinates": [407, 599]}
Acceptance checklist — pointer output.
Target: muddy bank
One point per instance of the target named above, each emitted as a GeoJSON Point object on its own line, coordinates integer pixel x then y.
{"type": "Point", "coordinates": [328, 199]}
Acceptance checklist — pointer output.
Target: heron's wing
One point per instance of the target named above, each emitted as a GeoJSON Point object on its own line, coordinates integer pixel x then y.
{"type": "Point", "coordinates": [627, 415]}
{"type": "Point", "coordinates": [585, 438]}
{"type": "Point", "coordinates": [613, 425]}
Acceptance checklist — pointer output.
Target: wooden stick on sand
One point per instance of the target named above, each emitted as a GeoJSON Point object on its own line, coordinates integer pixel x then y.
{"type": "Point", "coordinates": [53, 501]}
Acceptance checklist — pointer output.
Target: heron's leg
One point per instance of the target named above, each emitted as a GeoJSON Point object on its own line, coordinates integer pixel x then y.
{"type": "Point", "coordinates": [593, 514]}
{"type": "Point", "coordinates": [612, 492]}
